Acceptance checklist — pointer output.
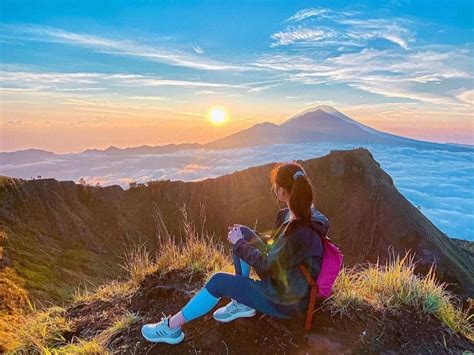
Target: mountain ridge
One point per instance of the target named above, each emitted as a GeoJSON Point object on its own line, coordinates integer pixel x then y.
{"type": "Point", "coordinates": [319, 124]}
{"type": "Point", "coordinates": [77, 223]}
{"type": "Point", "coordinates": [261, 133]}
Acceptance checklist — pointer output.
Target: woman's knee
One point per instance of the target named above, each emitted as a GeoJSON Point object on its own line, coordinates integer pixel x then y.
{"type": "Point", "coordinates": [252, 237]}
{"type": "Point", "coordinates": [248, 233]}
{"type": "Point", "coordinates": [215, 282]}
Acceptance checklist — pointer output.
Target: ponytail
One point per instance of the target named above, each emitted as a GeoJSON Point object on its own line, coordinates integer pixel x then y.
{"type": "Point", "coordinates": [292, 177]}
{"type": "Point", "coordinates": [301, 198]}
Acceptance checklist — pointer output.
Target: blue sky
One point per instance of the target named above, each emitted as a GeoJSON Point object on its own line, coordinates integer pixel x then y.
{"type": "Point", "coordinates": [84, 74]}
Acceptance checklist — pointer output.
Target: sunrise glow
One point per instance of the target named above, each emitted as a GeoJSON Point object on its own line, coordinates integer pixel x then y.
{"type": "Point", "coordinates": [218, 115]}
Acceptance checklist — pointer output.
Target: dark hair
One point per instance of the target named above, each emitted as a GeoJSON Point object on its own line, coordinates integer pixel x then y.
{"type": "Point", "coordinates": [300, 189]}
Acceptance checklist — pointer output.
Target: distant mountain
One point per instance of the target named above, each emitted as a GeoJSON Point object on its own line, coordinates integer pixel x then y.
{"type": "Point", "coordinates": [34, 155]}
{"type": "Point", "coordinates": [56, 235]}
{"type": "Point", "coordinates": [25, 156]}
{"type": "Point", "coordinates": [144, 149]}
{"type": "Point", "coordinates": [321, 124]}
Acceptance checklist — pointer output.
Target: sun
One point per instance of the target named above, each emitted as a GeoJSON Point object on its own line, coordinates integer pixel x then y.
{"type": "Point", "coordinates": [218, 115]}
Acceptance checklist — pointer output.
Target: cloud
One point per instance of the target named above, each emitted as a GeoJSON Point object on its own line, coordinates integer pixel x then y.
{"type": "Point", "coordinates": [198, 50]}
{"type": "Point", "coordinates": [387, 72]}
{"type": "Point", "coordinates": [53, 82]}
{"type": "Point", "coordinates": [375, 55]}
{"type": "Point", "coordinates": [307, 13]}
{"type": "Point", "coordinates": [302, 35]}
{"type": "Point", "coordinates": [341, 28]}
{"type": "Point", "coordinates": [439, 181]}
{"type": "Point", "coordinates": [208, 92]}
{"type": "Point", "coordinates": [119, 47]}
{"type": "Point", "coordinates": [263, 87]}
{"type": "Point", "coordinates": [466, 96]}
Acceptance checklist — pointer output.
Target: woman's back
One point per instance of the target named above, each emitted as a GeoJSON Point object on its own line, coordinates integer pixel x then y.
{"type": "Point", "coordinates": [296, 243]}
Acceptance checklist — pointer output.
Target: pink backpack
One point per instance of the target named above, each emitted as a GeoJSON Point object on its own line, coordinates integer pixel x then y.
{"type": "Point", "coordinates": [330, 266]}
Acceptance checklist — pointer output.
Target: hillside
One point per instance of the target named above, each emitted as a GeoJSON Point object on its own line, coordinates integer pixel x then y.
{"type": "Point", "coordinates": [377, 309]}
{"type": "Point", "coordinates": [57, 235]}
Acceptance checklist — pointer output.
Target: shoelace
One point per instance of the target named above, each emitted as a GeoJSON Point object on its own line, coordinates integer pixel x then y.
{"type": "Point", "coordinates": [234, 306]}
{"type": "Point", "coordinates": [165, 319]}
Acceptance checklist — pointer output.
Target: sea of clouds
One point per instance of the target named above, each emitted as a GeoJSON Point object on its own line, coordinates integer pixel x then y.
{"type": "Point", "coordinates": [439, 182]}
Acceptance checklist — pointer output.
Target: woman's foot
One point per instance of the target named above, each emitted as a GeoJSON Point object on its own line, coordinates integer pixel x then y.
{"type": "Point", "coordinates": [161, 332]}
{"type": "Point", "coordinates": [233, 310]}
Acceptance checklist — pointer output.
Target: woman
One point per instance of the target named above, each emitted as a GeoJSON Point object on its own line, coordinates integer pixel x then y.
{"type": "Point", "coordinates": [282, 290]}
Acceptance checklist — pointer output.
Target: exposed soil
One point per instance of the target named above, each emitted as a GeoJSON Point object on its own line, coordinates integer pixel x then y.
{"type": "Point", "coordinates": [407, 331]}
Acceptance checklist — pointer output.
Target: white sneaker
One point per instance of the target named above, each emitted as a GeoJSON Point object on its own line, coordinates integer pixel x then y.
{"type": "Point", "coordinates": [161, 332]}
{"type": "Point", "coordinates": [233, 310]}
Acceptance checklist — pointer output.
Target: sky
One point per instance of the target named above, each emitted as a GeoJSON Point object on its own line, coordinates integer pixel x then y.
{"type": "Point", "coordinates": [89, 74]}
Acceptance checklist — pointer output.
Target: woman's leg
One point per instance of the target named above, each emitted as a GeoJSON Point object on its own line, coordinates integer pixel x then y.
{"type": "Point", "coordinates": [240, 288]}
{"type": "Point", "coordinates": [204, 301]}
{"type": "Point", "coordinates": [240, 266]}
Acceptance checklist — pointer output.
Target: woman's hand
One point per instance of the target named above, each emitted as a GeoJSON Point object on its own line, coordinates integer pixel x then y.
{"type": "Point", "coordinates": [234, 234]}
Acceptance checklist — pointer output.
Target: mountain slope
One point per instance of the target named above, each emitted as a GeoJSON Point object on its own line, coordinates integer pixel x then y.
{"type": "Point", "coordinates": [88, 228]}
{"type": "Point", "coordinates": [320, 124]}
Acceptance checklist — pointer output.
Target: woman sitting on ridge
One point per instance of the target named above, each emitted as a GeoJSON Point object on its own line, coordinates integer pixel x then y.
{"type": "Point", "coordinates": [282, 290]}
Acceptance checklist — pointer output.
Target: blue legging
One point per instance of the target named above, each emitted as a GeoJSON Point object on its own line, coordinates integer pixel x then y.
{"type": "Point", "coordinates": [238, 287]}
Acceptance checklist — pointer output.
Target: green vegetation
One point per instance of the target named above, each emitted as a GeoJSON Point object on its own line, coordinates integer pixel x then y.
{"type": "Point", "coordinates": [42, 334]}
{"type": "Point", "coordinates": [41, 330]}
{"type": "Point", "coordinates": [360, 290]}
{"type": "Point", "coordinates": [81, 347]}
{"type": "Point", "coordinates": [53, 275]}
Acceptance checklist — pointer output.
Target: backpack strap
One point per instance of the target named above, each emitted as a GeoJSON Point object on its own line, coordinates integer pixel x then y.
{"type": "Point", "coordinates": [312, 296]}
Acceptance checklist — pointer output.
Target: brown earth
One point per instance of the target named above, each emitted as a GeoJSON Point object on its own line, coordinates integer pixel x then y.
{"type": "Point", "coordinates": [406, 331]}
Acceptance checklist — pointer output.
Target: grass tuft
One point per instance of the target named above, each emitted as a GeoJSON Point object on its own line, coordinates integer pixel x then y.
{"type": "Point", "coordinates": [120, 325]}
{"type": "Point", "coordinates": [395, 285]}
{"type": "Point", "coordinates": [138, 263]}
{"type": "Point", "coordinates": [42, 330]}
{"type": "Point", "coordinates": [81, 347]}
{"type": "Point", "coordinates": [200, 253]}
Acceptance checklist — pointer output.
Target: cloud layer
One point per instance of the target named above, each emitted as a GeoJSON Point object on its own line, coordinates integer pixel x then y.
{"type": "Point", "coordinates": [439, 182]}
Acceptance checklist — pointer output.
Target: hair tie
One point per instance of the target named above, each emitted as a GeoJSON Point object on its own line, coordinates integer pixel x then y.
{"type": "Point", "coordinates": [298, 173]}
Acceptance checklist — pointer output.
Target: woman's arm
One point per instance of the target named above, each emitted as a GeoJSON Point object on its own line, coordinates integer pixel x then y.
{"type": "Point", "coordinates": [263, 263]}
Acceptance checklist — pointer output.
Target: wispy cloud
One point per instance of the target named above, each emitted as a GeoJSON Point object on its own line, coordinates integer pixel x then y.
{"type": "Point", "coordinates": [387, 72]}
{"type": "Point", "coordinates": [263, 87]}
{"type": "Point", "coordinates": [60, 81]}
{"type": "Point", "coordinates": [307, 13]}
{"type": "Point", "coordinates": [198, 50]}
{"type": "Point", "coordinates": [302, 35]}
{"type": "Point", "coordinates": [342, 28]}
{"type": "Point", "coordinates": [119, 47]}
{"type": "Point", "coordinates": [466, 96]}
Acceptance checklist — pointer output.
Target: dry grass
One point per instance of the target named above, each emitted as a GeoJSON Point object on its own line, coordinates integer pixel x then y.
{"type": "Point", "coordinates": [200, 252]}
{"type": "Point", "coordinates": [120, 324]}
{"type": "Point", "coordinates": [138, 263]}
{"type": "Point", "coordinates": [41, 330]}
{"type": "Point", "coordinates": [105, 292]}
{"type": "Point", "coordinates": [395, 285]}
{"type": "Point", "coordinates": [81, 347]}
{"type": "Point", "coordinates": [42, 334]}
